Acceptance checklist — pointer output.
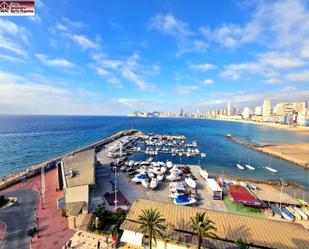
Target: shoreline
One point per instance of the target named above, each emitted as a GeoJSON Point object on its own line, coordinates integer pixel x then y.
{"type": "Point", "coordinates": [300, 129]}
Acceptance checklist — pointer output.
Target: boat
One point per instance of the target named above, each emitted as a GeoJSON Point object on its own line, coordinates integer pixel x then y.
{"type": "Point", "coordinates": [139, 177]}
{"type": "Point", "coordinates": [302, 202]}
{"type": "Point", "coordinates": [169, 164]}
{"type": "Point", "coordinates": [276, 210]}
{"type": "Point", "coordinates": [249, 167]}
{"type": "Point", "coordinates": [240, 167]}
{"type": "Point", "coordinates": [305, 210]}
{"type": "Point", "coordinates": [183, 200]}
{"type": "Point", "coordinates": [175, 195]}
{"type": "Point", "coordinates": [293, 211]}
{"type": "Point", "coordinates": [287, 214]}
{"type": "Point", "coordinates": [173, 177]}
{"type": "Point", "coordinates": [154, 183]}
{"type": "Point", "coordinates": [190, 182]}
{"type": "Point", "coordinates": [163, 169]}
{"type": "Point", "coordinates": [131, 163]}
{"type": "Point", "coordinates": [228, 135]}
{"type": "Point", "coordinates": [160, 177]}
{"type": "Point", "coordinates": [177, 187]}
{"type": "Point", "coordinates": [203, 155]}
{"type": "Point", "coordinates": [176, 170]}
{"type": "Point", "coordinates": [145, 183]}
{"type": "Point", "coordinates": [301, 213]}
{"type": "Point", "coordinates": [204, 173]}
{"type": "Point", "coordinates": [271, 169]}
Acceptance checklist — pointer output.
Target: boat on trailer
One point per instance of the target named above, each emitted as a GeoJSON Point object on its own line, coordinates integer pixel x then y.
{"type": "Point", "coordinates": [183, 200]}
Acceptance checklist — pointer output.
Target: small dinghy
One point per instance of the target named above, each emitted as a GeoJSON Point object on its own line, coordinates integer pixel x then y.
{"type": "Point", "coordinates": [183, 200]}
{"type": "Point", "coordinates": [160, 177]}
{"type": "Point", "coordinates": [190, 182]}
{"type": "Point", "coordinates": [249, 167]}
{"type": "Point", "coordinates": [271, 169]}
{"type": "Point", "coordinates": [145, 183]}
{"type": "Point", "coordinates": [154, 183]}
{"type": "Point", "coordinates": [240, 167]}
{"type": "Point", "coordinates": [204, 174]}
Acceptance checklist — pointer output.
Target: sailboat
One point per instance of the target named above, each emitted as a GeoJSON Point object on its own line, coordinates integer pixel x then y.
{"type": "Point", "coordinates": [271, 169]}
{"type": "Point", "coordinates": [240, 167]}
{"type": "Point", "coordinates": [248, 166]}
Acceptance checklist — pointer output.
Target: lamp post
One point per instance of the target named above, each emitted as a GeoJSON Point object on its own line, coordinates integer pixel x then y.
{"type": "Point", "coordinates": [115, 189]}
{"type": "Point", "coordinates": [281, 191]}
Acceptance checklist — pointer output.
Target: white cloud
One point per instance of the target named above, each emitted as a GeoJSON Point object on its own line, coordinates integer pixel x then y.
{"type": "Point", "coordinates": [186, 89]}
{"type": "Point", "coordinates": [235, 71]}
{"type": "Point", "coordinates": [102, 71]}
{"type": "Point", "coordinates": [298, 76]}
{"type": "Point", "coordinates": [202, 67]}
{"type": "Point", "coordinates": [280, 60]}
{"type": "Point", "coordinates": [83, 41]}
{"type": "Point", "coordinates": [57, 62]}
{"type": "Point", "coordinates": [232, 35]}
{"type": "Point", "coordinates": [208, 82]}
{"type": "Point", "coordinates": [11, 58]}
{"type": "Point", "coordinates": [272, 81]}
{"type": "Point", "coordinates": [169, 24]}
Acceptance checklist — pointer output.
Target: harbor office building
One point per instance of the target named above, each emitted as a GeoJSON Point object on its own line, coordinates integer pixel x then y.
{"type": "Point", "coordinates": [77, 173]}
{"type": "Point", "coordinates": [259, 232]}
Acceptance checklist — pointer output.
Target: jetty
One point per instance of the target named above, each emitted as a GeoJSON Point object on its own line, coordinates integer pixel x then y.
{"type": "Point", "coordinates": [297, 154]}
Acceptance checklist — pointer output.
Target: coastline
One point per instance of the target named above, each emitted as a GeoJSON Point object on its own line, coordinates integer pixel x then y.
{"type": "Point", "coordinates": [300, 129]}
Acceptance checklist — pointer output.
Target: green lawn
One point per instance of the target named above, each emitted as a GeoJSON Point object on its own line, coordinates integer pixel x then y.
{"type": "Point", "coordinates": [240, 209]}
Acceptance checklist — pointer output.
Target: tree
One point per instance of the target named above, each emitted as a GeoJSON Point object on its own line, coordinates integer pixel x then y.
{"type": "Point", "coordinates": [242, 244]}
{"type": "Point", "coordinates": [151, 224]}
{"type": "Point", "coordinates": [203, 227]}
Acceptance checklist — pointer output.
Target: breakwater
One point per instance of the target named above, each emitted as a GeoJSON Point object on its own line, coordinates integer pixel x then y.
{"type": "Point", "coordinates": [49, 164]}
{"type": "Point", "coordinates": [294, 153]}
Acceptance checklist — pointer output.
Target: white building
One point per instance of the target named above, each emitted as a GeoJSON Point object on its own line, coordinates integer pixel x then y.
{"type": "Point", "coordinates": [246, 113]}
{"type": "Point", "coordinates": [266, 107]}
{"type": "Point", "coordinates": [258, 111]}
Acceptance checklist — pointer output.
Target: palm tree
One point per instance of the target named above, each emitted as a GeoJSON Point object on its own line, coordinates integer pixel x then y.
{"type": "Point", "coordinates": [203, 227]}
{"type": "Point", "coordinates": [242, 244]}
{"type": "Point", "coordinates": [151, 224]}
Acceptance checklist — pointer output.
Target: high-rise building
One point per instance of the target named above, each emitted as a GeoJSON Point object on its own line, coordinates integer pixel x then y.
{"type": "Point", "coordinates": [258, 111]}
{"type": "Point", "coordinates": [228, 109]}
{"type": "Point", "coordinates": [246, 113]}
{"type": "Point", "coordinates": [181, 112]}
{"type": "Point", "coordinates": [299, 107]}
{"type": "Point", "coordinates": [266, 107]}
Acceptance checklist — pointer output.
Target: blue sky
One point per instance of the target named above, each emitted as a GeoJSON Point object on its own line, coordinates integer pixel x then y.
{"type": "Point", "coordinates": [115, 57]}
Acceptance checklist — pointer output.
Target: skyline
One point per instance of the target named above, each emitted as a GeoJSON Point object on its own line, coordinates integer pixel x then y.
{"type": "Point", "coordinates": [116, 59]}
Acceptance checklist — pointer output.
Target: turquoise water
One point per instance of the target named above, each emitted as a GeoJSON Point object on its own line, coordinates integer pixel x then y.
{"type": "Point", "coordinates": [26, 140]}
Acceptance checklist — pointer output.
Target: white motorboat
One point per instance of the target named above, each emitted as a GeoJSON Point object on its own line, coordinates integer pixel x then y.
{"type": "Point", "coordinates": [154, 183]}
{"type": "Point", "coordinates": [160, 177]}
{"type": "Point", "coordinates": [301, 213]}
{"type": "Point", "coordinates": [240, 167]}
{"type": "Point", "coordinates": [131, 163]}
{"type": "Point", "coordinates": [249, 167]}
{"type": "Point", "coordinates": [271, 169]}
{"type": "Point", "coordinates": [169, 164]}
{"type": "Point", "coordinates": [190, 182]}
{"type": "Point", "coordinates": [163, 169]}
{"type": "Point", "coordinates": [203, 155]}
{"type": "Point", "coordinates": [145, 183]}
{"type": "Point", "coordinates": [182, 200]}
{"type": "Point", "coordinates": [139, 177]}
{"type": "Point", "coordinates": [173, 177]}
{"type": "Point", "coordinates": [204, 174]}
{"type": "Point", "coordinates": [176, 170]}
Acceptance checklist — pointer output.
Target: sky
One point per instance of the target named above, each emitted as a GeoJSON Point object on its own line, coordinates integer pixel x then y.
{"type": "Point", "coordinates": [116, 57]}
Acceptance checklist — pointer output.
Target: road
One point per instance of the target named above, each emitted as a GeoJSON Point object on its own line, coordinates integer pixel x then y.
{"type": "Point", "coordinates": [19, 219]}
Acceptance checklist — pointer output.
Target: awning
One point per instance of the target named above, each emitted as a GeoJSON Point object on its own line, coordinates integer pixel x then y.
{"type": "Point", "coordinates": [132, 237]}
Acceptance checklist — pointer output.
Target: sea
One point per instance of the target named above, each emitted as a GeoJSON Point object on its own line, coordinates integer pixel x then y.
{"type": "Point", "coordinates": [28, 140]}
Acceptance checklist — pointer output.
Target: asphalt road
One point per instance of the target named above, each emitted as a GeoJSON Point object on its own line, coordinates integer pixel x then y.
{"type": "Point", "coordinates": [19, 219]}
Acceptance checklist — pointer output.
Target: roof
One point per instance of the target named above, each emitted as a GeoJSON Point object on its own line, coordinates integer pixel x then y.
{"type": "Point", "coordinates": [83, 166]}
{"type": "Point", "coordinates": [231, 227]}
{"type": "Point", "coordinates": [274, 197]}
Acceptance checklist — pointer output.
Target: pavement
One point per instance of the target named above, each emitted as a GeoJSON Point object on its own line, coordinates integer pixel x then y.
{"type": "Point", "coordinates": [53, 228]}
{"type": "Point", "coordinates": [19, 219]}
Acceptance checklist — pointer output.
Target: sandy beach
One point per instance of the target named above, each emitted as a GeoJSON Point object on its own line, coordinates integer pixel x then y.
{"type": "Point", "coordinates": [295, 153]}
